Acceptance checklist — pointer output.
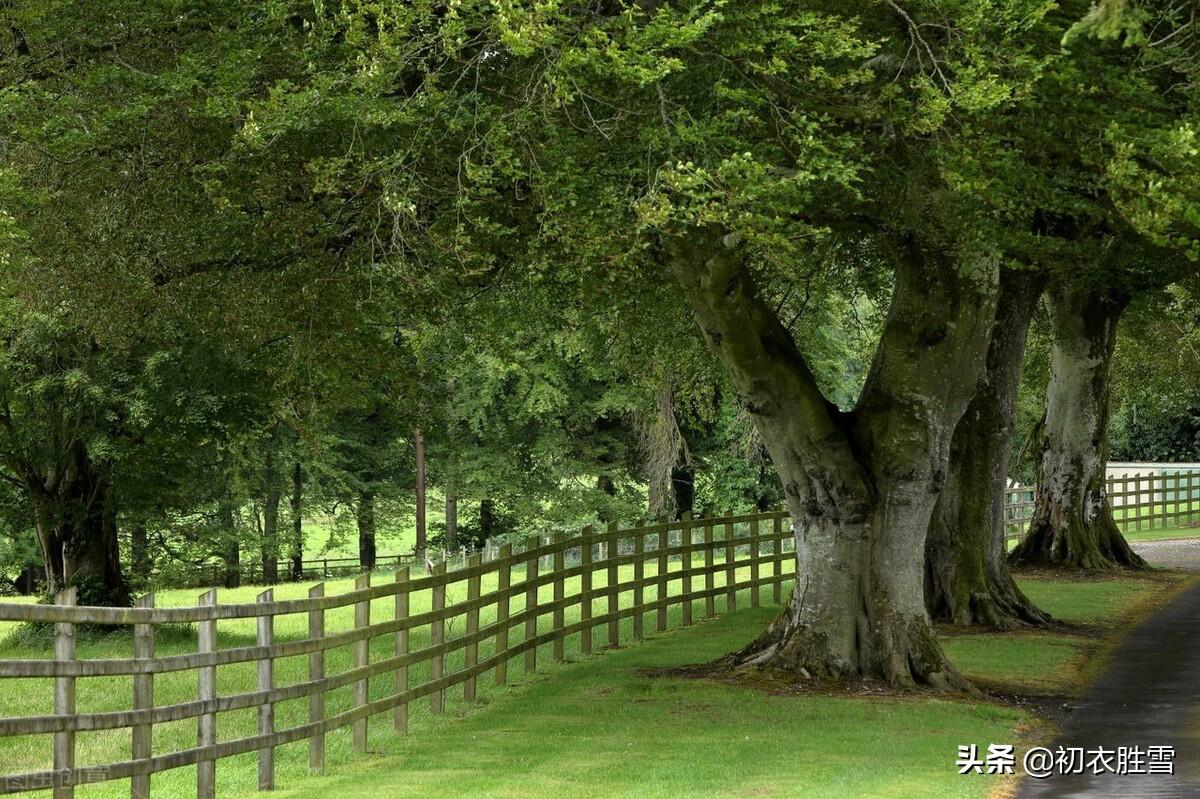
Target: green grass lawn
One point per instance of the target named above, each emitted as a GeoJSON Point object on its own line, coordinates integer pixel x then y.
{"type": "Point", "coordinates": [598, 726]}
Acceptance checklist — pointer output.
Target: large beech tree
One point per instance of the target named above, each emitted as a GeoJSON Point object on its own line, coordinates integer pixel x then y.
{"type": "Point", "coordinates": [861, 485]}
{"type": "Point", "coordinates": [1103, 157]}
{"type": "Point", "coordinates": [1073, 525]}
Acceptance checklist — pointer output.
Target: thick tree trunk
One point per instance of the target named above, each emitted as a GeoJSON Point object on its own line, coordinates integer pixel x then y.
{"type": "Point", "coordinates": [366, 530]}
{"type": "Point", "coordinates": [683, 485]}
{"type": "Point", "coordinates": [861, 486]}
{"type": "Point", "coordinates": [419, 445]}
{"type": "Point", "coordinates": [77, 531]}
{"type": "Point", "coordinates": [297, 505]}
{"type": "Point", "coordinates": [1072, 525]}
{"type": "Point", "coordinates": [967, 580]}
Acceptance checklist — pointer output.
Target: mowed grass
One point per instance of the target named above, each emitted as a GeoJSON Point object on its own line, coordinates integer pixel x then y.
{"type": "Point", "coordinates": [605, 728]}
{"type": "Point", "coordinates": [1056, 663]}
{"type": "Point", "coordinates": [593, 726]}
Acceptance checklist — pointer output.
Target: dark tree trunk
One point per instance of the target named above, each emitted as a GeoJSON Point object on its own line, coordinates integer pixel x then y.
{"type": "Point", "coordinates": [232, 546]}
{"type": "Point", "coordinates": [297, 504]}
{"type": "Point", "coordinates": [683, 485]}
{"type": "Point", "coordinates": [1072, 525]}
{"type": "Point", "coordinates": [139, 550]}
{"type": "Point", "coordinates": [419, 445]}
{"type": "Point", "coordinates": [270, 534]}
{"type": "Point", "coordinates": [30, 578]}
{"type": "Point", "coordinates": [488, 523]}
{"type": "Point", "coordinates": [967, 580]}
{"type": "Point", "coordinates": [77, 531]}
{"type": "Point", "coordinates": [366, 530]}
{"type": "Point", "coordinates": [451, 515]}
{"type": "Point", "coordinates": [861, 485]}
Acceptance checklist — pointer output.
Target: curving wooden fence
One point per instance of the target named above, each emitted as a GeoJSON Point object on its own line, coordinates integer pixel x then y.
{"type": "Point", "coordinates": [608, 576]}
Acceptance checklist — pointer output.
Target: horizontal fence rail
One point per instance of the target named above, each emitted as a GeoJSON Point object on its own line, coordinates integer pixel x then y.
{"type": "Point", "coordinates": [1139, 502]}
{"type": "Point", "coordinates": [609, 575]}
{"type": "Point", "coordinates": [218, 573]}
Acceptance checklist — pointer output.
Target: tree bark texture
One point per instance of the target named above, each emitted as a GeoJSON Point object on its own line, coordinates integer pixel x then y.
{"type": "Point", "coordinates": [1072, 525]}
{"type": "Point", "coordinates": [76, 522]}
{"type": "Point", "coordinates": [967, 580]}
{"type": "Point", "coordinates": [861, 485]}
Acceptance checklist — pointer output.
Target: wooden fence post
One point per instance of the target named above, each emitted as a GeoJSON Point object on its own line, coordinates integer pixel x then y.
{"type": "Point", "coordinates": [400, 715]}
{"type": "Point", "coordinates": [710, 606]}
{"type": "Point", "coordinates": [266, 682]}
{"type": "Point", "coordinates": [559, 594]}
{"type": "Point", "coordinates": [639, 577]}
{"type": "Point", "coordinates": [531, 603]}
{"type": "Point", "coordinates": [206, 733]}
{"type": "Point", "coordinates": [143, 699]}
{"type": "Point", "coordinates": [685, 538]}
{"type": "Point", "coordinates": [64, 699]}
{"type": "Point", "coordinates": [754, 555]}
{"type": "Point", "coordinates": [362, 652]}
{"type": "Point", "coordinates": [471, 651]}
{"type": "Point", "coordinates": [585, 591]}
{"type": "Point", "coordinates": [1166, 507]}
{"type": "Point", "coordinates": [730, 567]}
{"type": "Point", "coordinates": [664, 543]}
{"type": "Point", "coordinates": [316, 671]}
{"type": "Point", "coordinates": [1137, 488]}
{"type": "Point", "coordinates": [614, 579]}
{"type": "Point", "coordinates": [437, 636]}
{"type": "Point", "coordinates": [777, 585]}
{"type": "Point", "coordinates": [504, 581]}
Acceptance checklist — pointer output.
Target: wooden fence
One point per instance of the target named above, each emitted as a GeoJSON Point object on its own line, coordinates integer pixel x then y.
{"type": "Point", "coordinates": [627, 573]}
{"type": "Point", "coordinates": [1139, 502]}
{"type": "Point", "coordinates": [250, 573]}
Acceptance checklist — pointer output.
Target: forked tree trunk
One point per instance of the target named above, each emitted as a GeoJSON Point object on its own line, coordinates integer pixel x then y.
{"type": "Point", "coordinates": [967, 580]}
{"type": "Point", "coordinates": [1072, 525]}
{"type": "Point", "coordinates": [862, 485]}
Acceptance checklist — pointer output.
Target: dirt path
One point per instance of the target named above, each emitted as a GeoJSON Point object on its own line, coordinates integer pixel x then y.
{"type": "Point", "coordinates": [1149, 696]}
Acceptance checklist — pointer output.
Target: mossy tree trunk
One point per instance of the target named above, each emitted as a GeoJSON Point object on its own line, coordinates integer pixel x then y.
{"type": "Point", "coordinates": [76, 519]}
{"type": "Point", "coordinates": [861, 485]}
{"type": "Point", "coordinates": [967, 580]}
{"type": "Point", "coordinates": [1072, 525]}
